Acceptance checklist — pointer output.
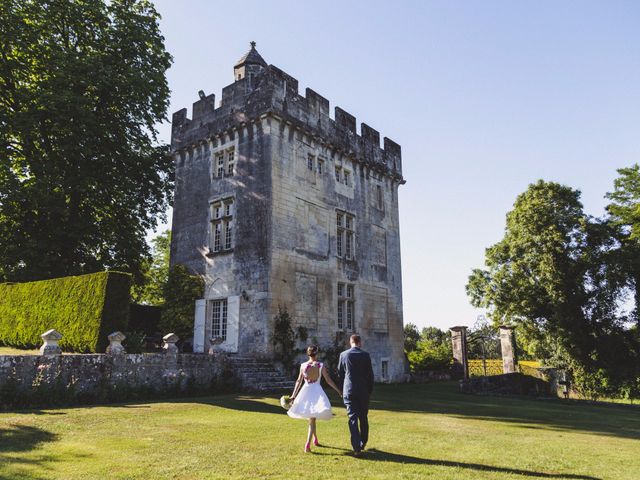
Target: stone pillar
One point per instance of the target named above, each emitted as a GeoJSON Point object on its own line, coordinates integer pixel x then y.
{"type": "Point", "coordinates": [508, 347]}
{"type": "Point", "coordinates": [169, 343]}
{"type": "Point", "coordinates": [115, 343]}
{"type": "Point", "coordinates": [459, 341]}
{"type": "Point", "coordinates": [50, 346]}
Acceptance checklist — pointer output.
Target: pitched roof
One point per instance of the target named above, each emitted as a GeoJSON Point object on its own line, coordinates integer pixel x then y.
{"type": "Point", "coordinates": [252, 56]}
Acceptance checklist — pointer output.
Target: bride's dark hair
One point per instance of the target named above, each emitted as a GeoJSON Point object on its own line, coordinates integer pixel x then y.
{"type": "Point", "coordinates": [312, 351]}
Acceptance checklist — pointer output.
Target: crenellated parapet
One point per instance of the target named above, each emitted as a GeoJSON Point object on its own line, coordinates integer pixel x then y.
{"type": "Point", "coordinates": [274, 92]}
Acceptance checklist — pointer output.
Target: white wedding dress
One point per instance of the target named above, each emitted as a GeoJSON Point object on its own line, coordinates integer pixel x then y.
{"type": "Point", "coordinates": [311, 401]}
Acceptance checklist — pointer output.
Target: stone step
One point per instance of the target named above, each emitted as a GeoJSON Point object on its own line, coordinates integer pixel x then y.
{"type": "Point", "coordinates": [271, 387]}
{"type": "Point", "coordinates": [267, 374]}
{"type": "Point", "coordinates": [255, 369]}
{"type": "Point", "coordinates": [259, 375]}
{"type": "Point", "coordinates": [246, 366]}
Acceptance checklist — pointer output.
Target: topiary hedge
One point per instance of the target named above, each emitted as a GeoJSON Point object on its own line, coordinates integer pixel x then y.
{"type": "Point", "coordinates": [84, 309]}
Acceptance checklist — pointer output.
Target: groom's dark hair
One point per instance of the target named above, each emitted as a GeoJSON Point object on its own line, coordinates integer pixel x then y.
{"type": "Point", "coordinates": [355, 338]}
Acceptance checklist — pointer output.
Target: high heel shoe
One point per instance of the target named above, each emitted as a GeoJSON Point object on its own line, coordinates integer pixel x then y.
{"type": "Point", "coordinates": [307, 447]}
{"type": "Point", "coordinates": [316, 442]}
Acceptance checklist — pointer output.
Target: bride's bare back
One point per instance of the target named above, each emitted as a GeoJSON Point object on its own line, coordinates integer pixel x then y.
{"type": "Point", "coordinates": [312, 372]}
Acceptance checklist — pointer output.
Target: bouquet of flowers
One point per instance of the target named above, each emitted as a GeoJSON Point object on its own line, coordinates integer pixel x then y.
{"type": "Point", "coordinates": [285, 402]}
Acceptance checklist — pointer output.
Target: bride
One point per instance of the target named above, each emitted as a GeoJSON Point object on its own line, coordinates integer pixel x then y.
{"type": "Point", "coordinates": [310, 402]}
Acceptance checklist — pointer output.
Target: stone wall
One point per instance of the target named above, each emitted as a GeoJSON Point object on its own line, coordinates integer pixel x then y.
{"type": "Point", "coordinates": [45, 380]}
{"type": "Point", "coordinates": [507, 384]}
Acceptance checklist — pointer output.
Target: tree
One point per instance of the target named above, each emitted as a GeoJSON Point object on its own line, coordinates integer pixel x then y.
{"type": "Point", "coordinates": [428, 349]}
{"type": "Point", "coordinates": [624, 212]}
{"type": "Point", "coordinates": [82, 176]}
{"type": "Point", "coordinates": [553, 274]}
{"type": "Point", "coordinates": [155, 272]}
{"type": "Point", "coordinates": [411, 337]}
{"type": "Point", "coordinates": [181, 292]}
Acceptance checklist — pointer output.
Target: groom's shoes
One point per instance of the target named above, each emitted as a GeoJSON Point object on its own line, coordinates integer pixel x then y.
{"type": "Point", "coordinates": [362, 445]}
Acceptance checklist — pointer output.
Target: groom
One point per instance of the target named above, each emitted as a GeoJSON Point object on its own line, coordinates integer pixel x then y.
{"type": "Point", "coordinates": [356, 375]}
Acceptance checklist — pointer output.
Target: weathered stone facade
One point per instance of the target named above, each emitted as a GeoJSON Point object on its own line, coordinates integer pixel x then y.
{"type": "Point", "coordinates": [279, 205]}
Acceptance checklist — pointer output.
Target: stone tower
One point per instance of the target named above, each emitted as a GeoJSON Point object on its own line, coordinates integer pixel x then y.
{"type": "Point", "coordinates": [278, 205]}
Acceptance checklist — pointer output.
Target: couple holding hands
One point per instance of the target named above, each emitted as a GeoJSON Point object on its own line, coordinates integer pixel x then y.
{"type": "Point", "coordinates": [310, 402]}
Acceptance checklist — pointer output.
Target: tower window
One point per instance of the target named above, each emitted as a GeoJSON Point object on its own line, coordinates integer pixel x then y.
{"type": "Point", "coordinates": [346, 307]}
{"type": "Point", "coordinates": [220, 165]}
{"type": "Point", "coordinates": [338, 174]}
{"type": "Point", "coordinates": [224, 163]}
{"type": "Point", "coordinates": [219, 319]}
{"type": "Point", "coordinates": [347, 177]}
{"type": "Point", "coordinates": [230, 162]}
{"type": "Point", "coordinates": [222, 225]}
{"type": "Point", "coordinates": [310, 161]}
{"type": "Point", "coordinates": [385, 369]}
{"type": "Point", "coordinates": [344, 235]}
{"type": "Point", "coordinates": [320, 166]}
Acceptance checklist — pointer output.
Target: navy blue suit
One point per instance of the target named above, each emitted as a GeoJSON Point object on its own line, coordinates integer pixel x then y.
{"type": "Point", "coordinates": [356, 375]}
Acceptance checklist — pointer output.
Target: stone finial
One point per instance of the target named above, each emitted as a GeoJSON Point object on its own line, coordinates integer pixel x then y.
{"type": "Point", "coordinates": [169, 343]}
{"type": "Point", "coordinates": [115, 343]}
{"type": "Point", "coordinates": [51, 339]}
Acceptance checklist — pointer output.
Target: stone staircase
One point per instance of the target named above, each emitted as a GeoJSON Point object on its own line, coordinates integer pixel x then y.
{"type": "Point", "coordinates": [259, 376]}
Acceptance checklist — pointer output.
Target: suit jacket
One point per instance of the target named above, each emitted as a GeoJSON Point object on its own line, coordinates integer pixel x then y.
{"type": "Point", "coordinates": [356, 373]}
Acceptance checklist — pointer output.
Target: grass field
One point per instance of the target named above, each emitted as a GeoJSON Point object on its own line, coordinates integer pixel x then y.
{"type": "Point", "coordinates": [418, 431]}
{"type": "Point", "coordinates": [17, 351]}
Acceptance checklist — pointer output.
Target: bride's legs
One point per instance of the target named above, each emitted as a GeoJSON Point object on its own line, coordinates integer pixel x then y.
{"type": "Point", "coordinates": [312, 429]}
{"type": "Point", "coordinates": [315, 433]}
{"type": "Point", "coordinates": [310, 434]}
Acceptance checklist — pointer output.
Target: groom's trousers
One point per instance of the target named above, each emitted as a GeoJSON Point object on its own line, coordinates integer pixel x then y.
{"type": "Point", "coordinates": [358, 411]}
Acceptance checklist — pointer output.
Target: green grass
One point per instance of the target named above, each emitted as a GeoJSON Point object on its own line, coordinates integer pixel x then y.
{"type": "Point", "coordinates": [417, 431]}
{"type": "Point", "coordinates": [18, 351]}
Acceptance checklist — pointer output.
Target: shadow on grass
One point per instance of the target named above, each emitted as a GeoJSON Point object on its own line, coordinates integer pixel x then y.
{"type": "Point", "coordinates": [554, 415]}
{"type": "Point", "coordinates": [244, 403]}
{"type": "Point", "coordinates": [380, 456]}
{"type": "Point", "coordinates": [21, 439]}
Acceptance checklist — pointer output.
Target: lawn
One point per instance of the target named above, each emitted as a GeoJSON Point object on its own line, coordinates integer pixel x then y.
{"type": "Point", "coordinates": [18, 351]}
{"type": "Point", "coordinates": [418, 431]}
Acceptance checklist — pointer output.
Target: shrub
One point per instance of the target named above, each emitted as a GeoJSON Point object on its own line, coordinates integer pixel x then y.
{"type": "Point", "coordinates": [181, 292]}
{"type": "Point", "coordinates": [284, 339]}
{"type": "Point", "coordinates": [84, 309]}
{"type": "Point", "coordinates": [429, 355]}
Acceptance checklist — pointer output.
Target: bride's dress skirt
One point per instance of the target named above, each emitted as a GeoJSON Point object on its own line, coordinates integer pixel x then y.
{"type": "Point", "coordinates": [311, 402]}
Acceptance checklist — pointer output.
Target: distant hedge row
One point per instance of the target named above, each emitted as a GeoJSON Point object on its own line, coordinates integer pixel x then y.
{"type": "Point", "coordinates": [84, 309]}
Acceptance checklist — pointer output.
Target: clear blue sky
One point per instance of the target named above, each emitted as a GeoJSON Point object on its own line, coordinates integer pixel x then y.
{"type": "Point", "coordinates": [484, 97]}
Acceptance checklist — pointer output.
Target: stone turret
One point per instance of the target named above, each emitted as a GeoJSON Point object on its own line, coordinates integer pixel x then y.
{"type": "Point", "coordinates": [249, 66]}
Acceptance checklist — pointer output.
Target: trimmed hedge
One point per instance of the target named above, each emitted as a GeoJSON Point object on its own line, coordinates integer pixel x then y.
{"type": "Point", "coordinates": [84, 309]}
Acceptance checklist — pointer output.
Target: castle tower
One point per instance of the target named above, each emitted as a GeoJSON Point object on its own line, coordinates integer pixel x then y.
{"type": "Point", "coordinates": [278, 205]}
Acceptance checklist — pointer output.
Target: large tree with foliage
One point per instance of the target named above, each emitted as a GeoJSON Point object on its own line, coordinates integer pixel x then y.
{"type": "Point", "coordinates": [624, 212]}
{"type": "Point", "coordinates": [151, 290]}
{"type": "Point", "coordinates": [82, 177]}
{"type": "Point", "coordinates": [181, 291]}
{"type": "Point", "coordinates": [553, 275]}
{"type": "Point", "coordinates": [429, 349]}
